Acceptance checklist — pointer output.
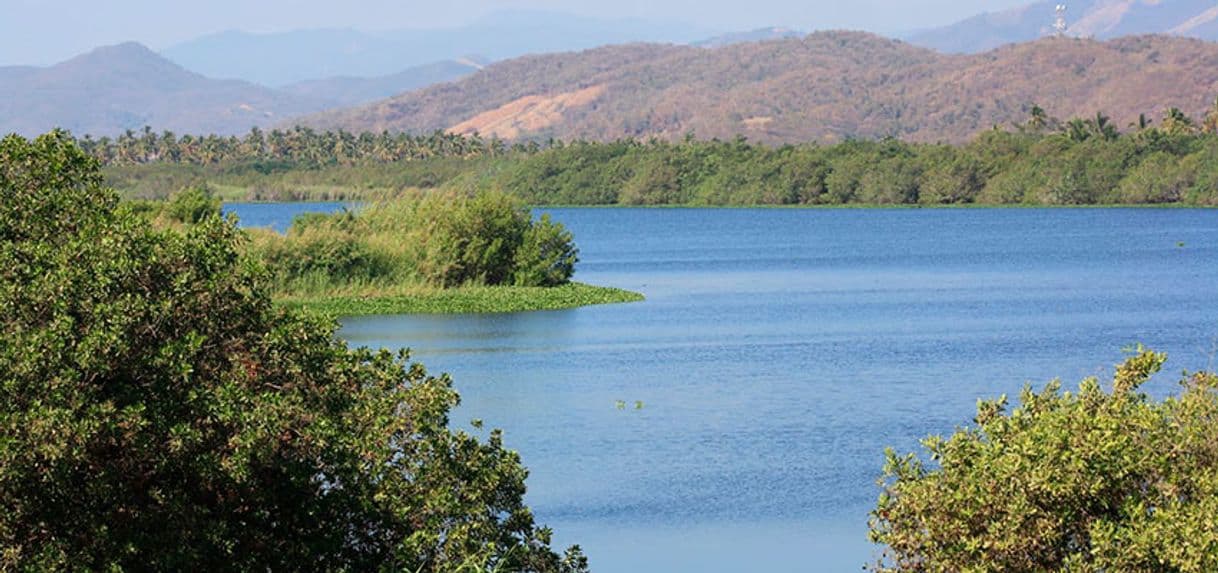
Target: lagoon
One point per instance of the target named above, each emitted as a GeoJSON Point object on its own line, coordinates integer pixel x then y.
{"type": "Point", "coordinates": [736, 420]}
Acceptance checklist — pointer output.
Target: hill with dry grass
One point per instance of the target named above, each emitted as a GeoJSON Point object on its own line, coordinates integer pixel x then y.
{"type": "Point", "coordinates": [827, 86]}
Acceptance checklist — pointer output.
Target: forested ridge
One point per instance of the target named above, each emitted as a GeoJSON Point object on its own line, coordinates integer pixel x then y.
{"type": "Point", "coordinates": [1170, 158]}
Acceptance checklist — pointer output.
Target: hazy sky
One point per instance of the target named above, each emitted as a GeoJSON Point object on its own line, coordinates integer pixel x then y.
{"type": "Point", "coordinates": [45, 31]}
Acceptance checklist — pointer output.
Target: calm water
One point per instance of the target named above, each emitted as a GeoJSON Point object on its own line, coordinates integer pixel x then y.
{"type": "Point", "coordinates": [780, 351]}
{"type": "Point", "coordinates": [279, 216]}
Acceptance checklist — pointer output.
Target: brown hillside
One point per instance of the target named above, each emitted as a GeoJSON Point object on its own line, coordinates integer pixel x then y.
{"type": "Point", "coordinates": [826, 86]}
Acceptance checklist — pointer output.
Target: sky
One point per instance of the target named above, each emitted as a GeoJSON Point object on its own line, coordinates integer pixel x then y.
{"type": "Point", "coordinates": [42, 32]}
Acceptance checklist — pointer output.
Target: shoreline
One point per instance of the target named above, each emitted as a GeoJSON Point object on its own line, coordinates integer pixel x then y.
{"type": "Point", "coordinates": [463, 300]}
{"type": "Point", "coordinates": [845, 207]}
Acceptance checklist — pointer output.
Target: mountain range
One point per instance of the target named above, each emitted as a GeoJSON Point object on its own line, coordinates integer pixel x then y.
{"type": "Point", "coordinates": [770, 84]}
{"type": "Point", "coordinates": [129, 86]}
{"type": "Point", "coordinates": [281, 59]}
{"type": "Point", "coordinates": [1100, 19]}
{"type": "Point", "coordinates": [348, 91]}
{"type": "Point", "coordinates": [827, 86]}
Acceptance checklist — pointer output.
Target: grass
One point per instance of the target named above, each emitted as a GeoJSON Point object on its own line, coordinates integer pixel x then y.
{"type": "Point", "coordinates": [464, 300]}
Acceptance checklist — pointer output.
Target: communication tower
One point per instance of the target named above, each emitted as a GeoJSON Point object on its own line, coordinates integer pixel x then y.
{"type": "Point", "coordinates": [1060, 27]}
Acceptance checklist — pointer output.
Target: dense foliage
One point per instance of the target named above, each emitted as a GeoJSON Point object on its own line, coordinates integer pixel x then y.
{"type": "Point", "coordinates": [1042, 161]}
{"type": "Point", "coordinates": [158, 413]}
{"type": "Point", "coordinates": [436, 239]}
{"type": "Point", "coordinates": [1084, 481]}
{"type": "Point", "coordinates": [1081, 162]}
{"type": "Point", "coordinates": [299, 146]}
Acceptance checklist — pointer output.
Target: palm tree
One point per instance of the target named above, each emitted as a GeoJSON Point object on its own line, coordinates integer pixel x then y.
{"type": "Point", "coordinates": [1175, 122]}
{"type": "Point", "coordinates": [1210, 124]}
{"type": "Point", "coordinates": [1142, 124]}
{"type": "Point", "coordinates": [1101, 126]}
{"type": "Point", "coordinates": [1077, 130]}
{"type": "Point", "coordinates": [1038, 120]}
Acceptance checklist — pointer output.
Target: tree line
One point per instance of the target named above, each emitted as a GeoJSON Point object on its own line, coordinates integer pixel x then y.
{"type": "Point", "coordinates": [298, 146]}
{"type": "Point", "coordinates": [1041, 161]}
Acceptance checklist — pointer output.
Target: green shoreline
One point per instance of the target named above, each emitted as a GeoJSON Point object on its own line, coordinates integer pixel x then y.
{"type": "Point", "coordinates": [890, 207]}
{"type": "Point", "coordinates": [843, 207]}
{"type": "Point", "coordinates": [464, 300]}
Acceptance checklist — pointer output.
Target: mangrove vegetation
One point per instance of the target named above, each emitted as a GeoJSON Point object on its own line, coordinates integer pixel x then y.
{"type": "Point", "coordinates": [1042, 161]}
{"type": "Point", "coordinates": [1099, 479]}
{"type": "Point", "coordinates": [437, 252]}
{"type": "Point", "coordinates": [159, 412]}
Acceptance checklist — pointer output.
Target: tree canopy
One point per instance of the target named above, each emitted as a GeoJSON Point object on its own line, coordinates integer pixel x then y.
{"type": "Point", "coordinates": [1041, 161]}
{"type": "Point", "coordinates": [158, 413]}
{"type": "Point", "coordinates": [1092, 480]}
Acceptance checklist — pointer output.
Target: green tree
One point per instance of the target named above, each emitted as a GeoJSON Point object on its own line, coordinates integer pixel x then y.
{"type": "Point", "coordinates": [1160, 178]}
{"type": "Point", "coordinates": [1038, 121]}
{"type": "Point", "coordinates": [158, 413]}
{"type": "Point", "coordinates": [1209, 124]}
{"type": "Point", "coordinates": [546, 255]}
{"type": "Point", "coordinates": [957, 181]}
{"type": "Point", "coordinates": [192, 205]}
{"type": "Point", "coordinates": [1176, 122]}
{"type": "Point", "coordinates": [1091, 480]}
{"type": "Point", "coordinates": [479, 239]}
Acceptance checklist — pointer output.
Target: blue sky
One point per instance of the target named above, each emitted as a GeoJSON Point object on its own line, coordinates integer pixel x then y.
{"type": "Point", "coordinates": [41, 32]}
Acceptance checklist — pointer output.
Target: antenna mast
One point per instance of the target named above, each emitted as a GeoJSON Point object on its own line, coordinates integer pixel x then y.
{"type": "Point", "coordinates": [1060, 27]}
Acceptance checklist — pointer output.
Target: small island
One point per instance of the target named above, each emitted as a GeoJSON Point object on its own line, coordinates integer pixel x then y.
{"type": "Point", "coordinates": [417, 253]}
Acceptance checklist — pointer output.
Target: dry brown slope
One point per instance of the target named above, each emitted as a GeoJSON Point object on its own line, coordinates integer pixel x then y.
{"type": "Point", "coordinates": [826, 86]}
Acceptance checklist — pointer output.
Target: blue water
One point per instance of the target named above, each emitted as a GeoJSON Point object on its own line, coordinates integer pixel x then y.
{"type": "Point", "coordinates": [780, 351]}
{"type": "Point", "coordinates": [278, 216]}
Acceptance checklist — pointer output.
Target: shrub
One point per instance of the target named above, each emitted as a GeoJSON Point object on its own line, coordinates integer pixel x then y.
{"type": "Point", "coordinates": [1086, 481]}
{"type": "Point", "coordinates": [1160, 178]}
{"type": "Point", "coordinates": [546, 255]}
{"type": "Point", "coordinates": [463, 239]}
{"type": "Point", "coordinates": [192, 205]}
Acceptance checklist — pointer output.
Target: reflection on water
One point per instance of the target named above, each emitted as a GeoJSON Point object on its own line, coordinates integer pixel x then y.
{"type": "Point", "coordinates": [779, 352]}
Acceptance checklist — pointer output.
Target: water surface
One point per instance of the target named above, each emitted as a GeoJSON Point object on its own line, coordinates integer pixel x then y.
{"type": "Point", "coordinates": [780, 351]}
{"type": "Point", "coordinates": [278, 216]}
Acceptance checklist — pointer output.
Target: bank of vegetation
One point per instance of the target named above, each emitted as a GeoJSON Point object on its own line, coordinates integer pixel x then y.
{"type": "Point", "coordinates": [1097, 479]}
{"type": "Point", "coordinates": [438, 252]}
{"type": "Point", "coordinates": [159, 412]}
{"type": "Point", "coordinates": [1172, 159]}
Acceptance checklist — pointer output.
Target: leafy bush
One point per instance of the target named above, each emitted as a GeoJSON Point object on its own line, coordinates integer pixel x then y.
{"type": "Point", "coordinates": [157, 413]}
{"type": "Point", "coordinates": [1086, 481]}
{"type": "Point", "coordinates": [192, 205]}
{"type": "Point", "coordinates": [334, 255]}
{"type": "Point", "coordinates": [464, 240]}
{"type": "Point", "coordinates": [436, 239]}
{"type": "Point", "coordinates": [1160, 178]}
{"type": "Point", "coordinates": [546, 255]}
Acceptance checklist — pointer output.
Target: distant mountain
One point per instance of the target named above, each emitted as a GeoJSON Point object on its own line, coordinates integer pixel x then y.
{"type": "Point", "coordinates": [758, 35]}
{"type": "Point", "coordinates": [128, 86]}
{"type": "Point", "coordinates": [828, 86]}
{"type": "Point", "coordinates": [290, 57]}
{"type": "Point", "coordinates": [1101, 19]}
{"type": "Point", "coordinates": [350, 91]}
